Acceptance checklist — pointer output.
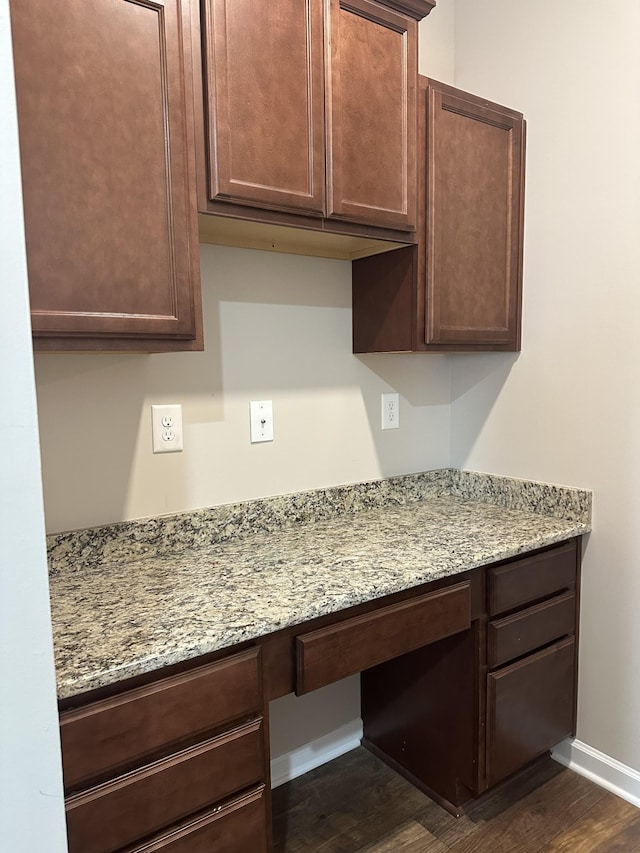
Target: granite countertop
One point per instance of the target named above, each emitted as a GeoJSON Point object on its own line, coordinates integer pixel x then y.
{"type": "Point", "coordinates": [134, 597]}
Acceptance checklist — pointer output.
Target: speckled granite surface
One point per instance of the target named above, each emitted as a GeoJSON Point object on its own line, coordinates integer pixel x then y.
{"type": "Point", "coordinates": [130, 598]}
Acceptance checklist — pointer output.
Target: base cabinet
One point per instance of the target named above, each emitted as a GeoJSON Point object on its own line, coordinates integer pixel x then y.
{"type": "Point", "coordinates": [530, 708]}
{"type": "Point", "coordinates": [176, 765]}
{"type": "Point", "coordinates": [464, 680]}
{"type": "Point", "coordinates": [460, 288]}
{"type": "Point", "coordinates": [460, 715]}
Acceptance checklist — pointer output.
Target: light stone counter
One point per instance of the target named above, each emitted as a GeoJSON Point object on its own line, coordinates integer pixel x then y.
{"type": "Point", "coordinates": [134, 597]}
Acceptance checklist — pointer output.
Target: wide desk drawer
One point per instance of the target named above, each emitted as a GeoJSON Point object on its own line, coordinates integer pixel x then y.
{"type": "Point", "coordinates": [522, 582]}
{"type": "Point", "coordinates": [139, 804]}
{"type": "Point", "coordinates": [329, 654]}
{"type": "Point", "coordinates": [530, 629]}
{"type": "Point", "coordinates": [118, 734]}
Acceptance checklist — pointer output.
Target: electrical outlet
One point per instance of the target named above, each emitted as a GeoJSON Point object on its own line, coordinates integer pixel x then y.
{"type": "Point", "coordinates": [261, 413]}
{"type": "Point", "coordinates": [166, 428]}
{"type": "Point", "coordinates": [390, 410]}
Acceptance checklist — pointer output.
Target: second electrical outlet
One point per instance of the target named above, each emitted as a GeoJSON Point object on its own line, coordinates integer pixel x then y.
{"type": "Point", "coordinates": [390, 410]}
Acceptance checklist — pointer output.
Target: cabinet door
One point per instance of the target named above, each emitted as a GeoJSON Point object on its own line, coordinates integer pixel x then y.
{"type": "Point", "coordinates": [474, 197]}
{"type": "Point", "coordinates": [265, 102]}
{"type": "Point", "coordinates": [109, 187]}
{"type": "Point", "coordinates": [530, 708]}
{"type": "Point", "coordinates": [371, 74]}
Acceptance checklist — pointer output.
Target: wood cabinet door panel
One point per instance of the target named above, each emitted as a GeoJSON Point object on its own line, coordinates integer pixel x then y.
{"type": "Point", "coordinates": [237, 827]}
{"type": "Point", "coordinates": [108, 183]}
{"type": "Point", "coordinates": [474, 191]}
{"type": "Point", "coordinates": [371, 73]}
{"type": "Point", "coordinates": [106, 818]}
{"type": "Point", "coordinates": [530, 708]}
{"type": "Point", "coordinates": [119, 733]}
{"type": "Point", "coordinates": [265, 98]}
{"type": "Point", "coordinates": [350, 646]}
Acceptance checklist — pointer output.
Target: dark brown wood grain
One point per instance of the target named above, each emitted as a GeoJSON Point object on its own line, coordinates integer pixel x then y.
{"type": "Point", "coordinates": [106, 142]}
{"type": "Point", "coordinates": [110, 816]}
{"type": "Point", "coordinates": [530, 629]}
{"type": "Point", "coordinates": [422, 713]}
{"type": "Point", "coordinates": [529, 708]}
{"type": "Point", "coordinates": [115, 734]}
{"type": "Point", "coordinates": [371, 62]}
{"type": "Point", "coordinates": [328, 654]}
{"type": "Point", "coordinates": [236, 827]}
{"type": "Point", "coordinates": [521, 582]}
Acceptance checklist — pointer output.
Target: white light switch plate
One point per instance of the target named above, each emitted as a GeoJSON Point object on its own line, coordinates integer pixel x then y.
{"type": "Point", "coordinates": [261, 412]}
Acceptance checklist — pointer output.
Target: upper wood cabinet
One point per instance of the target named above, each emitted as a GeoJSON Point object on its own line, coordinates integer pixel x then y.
{"type": "Point", "coordinates": [460, 288]}
{"type": "Point", "coordinates": [264, 79]}
{"type": "Point", "coordinates": [310, 109]}
{"type": "Point", "coordinates": [106, 139]}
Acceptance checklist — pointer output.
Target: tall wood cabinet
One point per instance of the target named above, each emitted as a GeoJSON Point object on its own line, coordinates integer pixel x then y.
{"type": "Point", "coordinates": [106, 139]}
{"type": "Point", "coordinates": [460, 287]}
{"type": "Point", "coordinates": [310, 109]}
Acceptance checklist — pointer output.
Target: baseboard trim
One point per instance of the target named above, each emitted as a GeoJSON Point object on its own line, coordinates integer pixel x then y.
{"type": "Point", "coordinates": [292, 764]}
{"type": "Point", "coordinates": [600, 768]}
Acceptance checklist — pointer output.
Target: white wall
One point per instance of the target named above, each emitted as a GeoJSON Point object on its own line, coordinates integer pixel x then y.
{"type": "Point", "coordinates": [31, 803]}
{"type": "Point", "coordinates": [568, 408]}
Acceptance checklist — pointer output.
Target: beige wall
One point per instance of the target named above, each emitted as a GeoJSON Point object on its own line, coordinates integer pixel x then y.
{"type": "Point", "coordinates": [568, 408]}
{"type": "Point", "coordinates": [277, 327]}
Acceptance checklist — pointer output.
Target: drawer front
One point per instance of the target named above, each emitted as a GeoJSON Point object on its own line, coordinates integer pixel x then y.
{"type": "Point", "coordinates": [525, 581]}
{"type": "Point", "coordinates": [238, 827]}
{"type": "Point", "coordinates": [530, 708]}
{"type": "Point", "coordinates": [136, 805]}
{"type": "Point", "coordinates": [328, 654]}
{"type": "Point", "coordinates": [120, 733]}
{"type": "Point", "coordinates": [530, 629]}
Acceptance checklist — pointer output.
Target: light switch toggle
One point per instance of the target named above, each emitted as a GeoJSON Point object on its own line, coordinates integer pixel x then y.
{"type": "Point", "coordinates": [261, 418]}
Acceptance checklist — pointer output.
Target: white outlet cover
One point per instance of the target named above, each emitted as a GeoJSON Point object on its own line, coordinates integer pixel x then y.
{"type": "Point", "coordinates": [166, 428]}
{"type": "Point", "coordinates": [261, 414]}
{"type": "Point", "coordinates": [390, 410]}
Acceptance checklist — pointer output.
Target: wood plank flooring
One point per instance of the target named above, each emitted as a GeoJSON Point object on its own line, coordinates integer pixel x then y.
{"type": "Point", "coordinates": [356, 804]}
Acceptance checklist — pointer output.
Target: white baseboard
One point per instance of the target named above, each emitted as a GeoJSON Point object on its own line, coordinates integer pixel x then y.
{"type": "Point", "coordinates": [286, 767]}
{"type": "Point", "coordinates": [600, 768]}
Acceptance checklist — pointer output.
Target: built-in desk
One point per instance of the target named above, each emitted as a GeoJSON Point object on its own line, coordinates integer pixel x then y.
{"type": "Point", "coordinates": [460, 615]}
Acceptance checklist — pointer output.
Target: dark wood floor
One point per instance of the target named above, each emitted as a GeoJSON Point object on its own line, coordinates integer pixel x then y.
{"type": "Point", "coordinates": [355, 804]}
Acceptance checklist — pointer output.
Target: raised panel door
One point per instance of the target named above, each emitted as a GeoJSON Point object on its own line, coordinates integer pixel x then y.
{"type": "Point", "coordinates": [530, 708]}
{"type": "Point", "coordinates": [371, 74]}
{"type": "Point", "coordinates": [265, 103]}
{"type": "Point", "coordinates": [108, 182]}
{"type": "Point", "coordinates": [474, 195]}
